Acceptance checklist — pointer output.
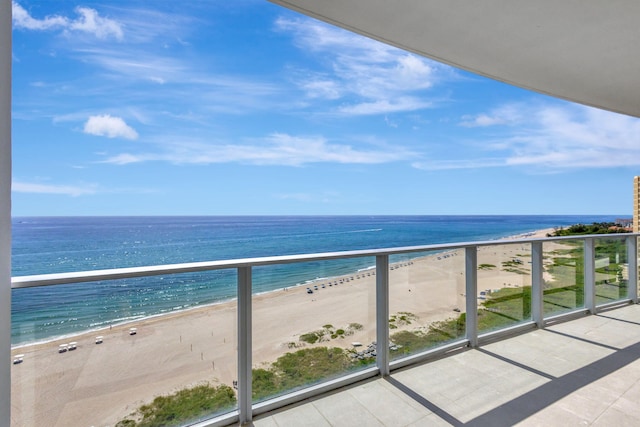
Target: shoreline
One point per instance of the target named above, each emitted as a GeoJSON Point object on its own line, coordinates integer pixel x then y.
{"type": "Point", "coordinates": [311, 282]}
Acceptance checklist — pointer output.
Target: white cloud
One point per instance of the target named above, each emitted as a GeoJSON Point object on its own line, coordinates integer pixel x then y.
{"type": "Point", "coordinates": [69, 190]}
{"type": "Point", "coordinates": [111, 127]}
{"type": "Point", "coordinates": [510, 114]}
{"type": "Point", "coordinates": [276, 149]}
{"type": "Point", "coordinates": [132, 70]}
{"type": "Point", "coordinates": [88, 21]}
{"type": "Point", "coordinates": [22, 19]}
{"type": "Point", "coordinates": [460, 164]}
{"type": "Point", "coordinates": [576, 137]}
{"type": "Point", "coordinates": [151, 25]}
{"type": "Point", "coordinates": [321, 88]}
{"type": "Point", "coordinates": [372, 76]}
{"type": "Point", "coordinates": [135, 64]}
{"type": "Point", "coordinates": [390, 123]}
{"type": "Point", "coordinates": [385, 106]}
{"type": "Point", "coordinates": [126, 158]}
{"type": "Point", "coordinates": [232, 93]}
{"type": "Point", "coordinates": [551, 137]}
{"type": "Point", "coordinates": [158, 80]}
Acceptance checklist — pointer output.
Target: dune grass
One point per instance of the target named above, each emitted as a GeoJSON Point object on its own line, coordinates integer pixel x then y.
{"type": "Point", "coordinates": [182, 407]}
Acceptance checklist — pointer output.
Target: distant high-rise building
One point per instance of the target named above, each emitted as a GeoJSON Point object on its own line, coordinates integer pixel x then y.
{"type": "Point", "coordinates": [636, 204]}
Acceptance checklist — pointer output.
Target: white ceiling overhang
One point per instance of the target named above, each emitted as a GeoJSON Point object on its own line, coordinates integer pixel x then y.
{"type": "Point", "coordinates": [586, 51]}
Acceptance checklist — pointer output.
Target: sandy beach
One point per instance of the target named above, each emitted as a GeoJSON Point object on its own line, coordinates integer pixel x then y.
{"type": "Point", "coordinates": [99, 384]}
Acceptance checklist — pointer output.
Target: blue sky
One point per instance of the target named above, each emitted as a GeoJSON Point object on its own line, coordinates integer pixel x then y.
{"type": "Point", "coordinates": [243, 107]}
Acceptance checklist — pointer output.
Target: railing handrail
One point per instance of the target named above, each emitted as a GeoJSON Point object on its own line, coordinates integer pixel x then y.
{"type": "Point", "coordinates": [50, 279]}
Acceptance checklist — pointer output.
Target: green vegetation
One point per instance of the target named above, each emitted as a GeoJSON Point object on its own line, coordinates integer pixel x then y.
{"type": "Point", "coordinates": [506, 310]}
{"type": "Point", "coordinates": [328, 332]}
{"type": "Point", "coordinates": [409, 342]}
{"type": "Point", "coordinates": [355, 326]}
{"type": "Point", "coordinates": [312, 337]}
{"type": "Point", "coordinates": [514, 265]}
{"type": "Point", "coordinates": [566, 290]}
{"type": "Point", "coordinates": [186, 405]}
{"type": "Point", "coordinates": [486, 267]}
{"type": "Point", "coordinates": [506, 306]}
{"type": "Point", "coordinates": [301, 368]}
{"type": "Point", "coordinates": [400, 319]}
{"type": "Point", "coordinates": [594, 228]}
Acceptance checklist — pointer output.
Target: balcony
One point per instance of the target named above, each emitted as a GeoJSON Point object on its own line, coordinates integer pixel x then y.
{"type": "Point", "coordinates": [471, 333]}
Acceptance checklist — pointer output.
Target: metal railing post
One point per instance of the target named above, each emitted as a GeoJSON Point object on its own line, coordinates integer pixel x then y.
{"type": "Point", "coordinates": [5, 213]}
{"type": "Point", "coordinates": [244, 345]}
{"type": "Point", "coordinates": [382, 314]}
{"type": "Point", "coordinates": [537, 285]}
{"type": "Point", "coordinates": [632, 268]}
{"type": "Point", "coordinates": [589, 275]}
{"type": "Point", "coordinates": [471, 293]}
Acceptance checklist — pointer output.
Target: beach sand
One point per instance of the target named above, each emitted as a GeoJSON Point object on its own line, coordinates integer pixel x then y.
{"type": "Point", "coordinates": [99, 384]}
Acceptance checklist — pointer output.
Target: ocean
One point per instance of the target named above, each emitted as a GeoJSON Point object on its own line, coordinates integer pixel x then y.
{"type": "Point", "coordinates": [43, 245]}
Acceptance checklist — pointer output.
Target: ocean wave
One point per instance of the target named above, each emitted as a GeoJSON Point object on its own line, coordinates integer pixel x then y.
{"type": "Point", "coordinates": [368, 230]}
{"type": "Point", "coordinates": [114, 321]}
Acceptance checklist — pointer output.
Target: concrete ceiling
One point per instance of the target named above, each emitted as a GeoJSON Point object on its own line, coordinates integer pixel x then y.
{"type": "Point", "coordinates": [586, 51]}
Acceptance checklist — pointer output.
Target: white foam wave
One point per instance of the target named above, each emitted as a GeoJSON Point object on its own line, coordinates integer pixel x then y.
{"type": "Point", "coordinates": [368, 230]}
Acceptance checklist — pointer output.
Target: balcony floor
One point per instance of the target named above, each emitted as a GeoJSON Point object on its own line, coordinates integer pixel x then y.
{"type": "Point", "coordinates": [580, 372]}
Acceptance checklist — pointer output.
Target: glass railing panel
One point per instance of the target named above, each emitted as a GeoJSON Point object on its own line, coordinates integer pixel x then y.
{"type": "Point", "coordinates": [638, 264]}
{"type": "Point", "coordinates": [318, 325]}
{"type": "Point", "coordinates": [426, 301]}
{"type": "Point", "coordinates": [610, 264]}
{"type": "Point", "coordinates": [504, 286]}
{"type": "Point", "coordinates": [563, 276]}
{"type": "Point", "coordinates": [120, 351]}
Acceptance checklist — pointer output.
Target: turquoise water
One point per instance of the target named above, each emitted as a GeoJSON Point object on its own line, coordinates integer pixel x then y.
{"type": "Point", "coordinates": [65, 244]}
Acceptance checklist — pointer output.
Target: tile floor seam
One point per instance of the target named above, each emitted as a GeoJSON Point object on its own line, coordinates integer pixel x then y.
{"type": "Point", "coordinates": [595, 420]}
{"type": "Point", "coordinates": [400, 396]}
{"type": "Point", "coordinates": [585, 340]}
{"type": "Point", "coordinates": [370, 413]}
{"type": "Point", "coordinates": [321, 414]}
{"type": "Point", "coordinates": [439, 411]}
{"type": "Point", "coordinates": [628, 388]}
{"type": "Point", "coordinates": [519, 365]}
{"type": "Point", "coordinates": [598, 415]}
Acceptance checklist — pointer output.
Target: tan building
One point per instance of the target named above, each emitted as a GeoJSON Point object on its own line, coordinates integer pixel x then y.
{"type": "Point", "coordinates": [636, 204]}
